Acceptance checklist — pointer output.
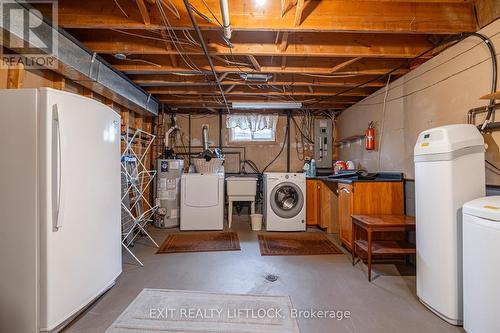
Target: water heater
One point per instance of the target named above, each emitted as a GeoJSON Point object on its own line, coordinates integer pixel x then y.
{"type": "Point", "coordinates": [168, 179]}
{"type": "Point", "coordinates": [449, 171]}
{"type": "Point", "coordinates": [323, 143]}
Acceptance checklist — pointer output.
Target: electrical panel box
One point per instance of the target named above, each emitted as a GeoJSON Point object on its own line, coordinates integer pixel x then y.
{"type": "Point", "coordinates": [323, 137]}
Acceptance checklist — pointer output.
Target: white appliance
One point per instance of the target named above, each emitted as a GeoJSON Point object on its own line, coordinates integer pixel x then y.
{"type": "Point", "coordinates": [60, 206]}
{"type": "Point", "coordinates": [449, 171]}
{"type": "Point", "coordinates": [202, 201]}
{"type": "Point", "coordinates": [285, 201]}
{"type": "Point", "coordinates": [481, 244]}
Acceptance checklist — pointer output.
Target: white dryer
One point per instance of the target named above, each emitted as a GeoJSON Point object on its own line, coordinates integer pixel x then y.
{"type": "Point", "coordinates": [285, 201]}
{"type": "Point", "coordinates": [202, 201]}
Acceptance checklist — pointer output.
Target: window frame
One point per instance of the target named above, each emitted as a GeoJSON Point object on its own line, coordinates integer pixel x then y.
{"type": "Point", "coordinates": [252, 140]}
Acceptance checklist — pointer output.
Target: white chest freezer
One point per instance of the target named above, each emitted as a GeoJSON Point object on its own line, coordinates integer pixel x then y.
{"type": "Point", "coordinates": [449, 171]}
{"type": "Point", "coordinates": [481, 247]}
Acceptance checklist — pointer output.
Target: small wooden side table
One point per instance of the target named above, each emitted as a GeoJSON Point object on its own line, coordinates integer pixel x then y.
{"type": "Point", "coordinates": [378, 223]}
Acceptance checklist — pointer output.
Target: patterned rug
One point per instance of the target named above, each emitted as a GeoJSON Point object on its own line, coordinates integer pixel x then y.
{"type": "Point", "coordinates": [200, 242]}
{"type": "Point", "coordinates": [174, 311]}
{"type": "Point", "coordinates": [296, 244]}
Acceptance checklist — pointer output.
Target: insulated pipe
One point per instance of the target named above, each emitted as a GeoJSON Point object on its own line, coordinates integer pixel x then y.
{"type": "Point", "coordinates": [226, 25]}
{"type": "Point", "coordinates": [205, 137]}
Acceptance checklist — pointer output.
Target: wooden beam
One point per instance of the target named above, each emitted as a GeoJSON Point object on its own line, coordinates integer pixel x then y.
{"type": "Point", "coordinates": [328, 15]}
{"type": "Point", "coordinates": [283, 63]}
{"type": "Point", "coordinates": [284, 42]}
{"type": "Point", "coordinates": [292, 65]}
{"type": "Point", "coordinates": [291, 80]}
{"type": "Point", "coordinates": [298, 13]}
{"type": "Point", "coordinates": [58, 82]}
{"type": "Point", "coordinates": [109, 103]}
{"type": "Point", "coordinates": [495, 95]}
{"type": "Point", "coordinates": [304, 44]}
{"type": "Point", "coordinates": [15, 76]}
{"type": "Point", "coordinates": [143, 9]}
{"type": "Point", "coordinates": [168, 47]}
{"type": "Point", "coordinates": [228, 89]}
{"type": "Point", "coordinates": [194, 93]}
{"type": "Point", "coordinates": [87, 93]}
{"type": "Point", "coordinates": [254, 62]}
{"type": "Point", "coordinates": [345, 64]}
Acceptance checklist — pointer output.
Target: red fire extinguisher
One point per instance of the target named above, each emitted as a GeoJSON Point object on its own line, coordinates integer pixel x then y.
{"type": "Point", "coordinates": [370, 137]}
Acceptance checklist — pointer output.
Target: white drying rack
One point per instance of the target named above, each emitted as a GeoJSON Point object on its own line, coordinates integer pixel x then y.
{"type": "Point", "coordinates": [137, 211]}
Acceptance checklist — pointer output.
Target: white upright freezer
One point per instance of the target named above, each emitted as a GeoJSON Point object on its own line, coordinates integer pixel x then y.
{"type": "Point", "coordinates": [59, 207]}
{"type": "Point", "coordinates": [449, 171]}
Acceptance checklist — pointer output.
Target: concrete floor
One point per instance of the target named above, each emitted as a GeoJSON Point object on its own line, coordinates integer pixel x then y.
{"type": "Point", "coordinates": [387, 304]}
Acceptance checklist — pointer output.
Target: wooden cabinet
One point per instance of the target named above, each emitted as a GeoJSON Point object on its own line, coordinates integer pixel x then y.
{"type": "Point", "coordinates": [312, 202]}
{"type": "Point", "coordinates": [365, 198]}
{"type": "Point", "coordinates": [328, 207]}
{"type": "Point", "coordinates": [321, 205]}
{"type": "Point", "coordinates": [345, 212]}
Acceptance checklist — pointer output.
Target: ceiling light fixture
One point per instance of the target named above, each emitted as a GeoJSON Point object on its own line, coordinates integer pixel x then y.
{"type": "Point", "coordinates": [265, 105]}
{"type": "Point", "coordinates": [255, 77]}
{"type": "Point", "coordinates": [260, 3]}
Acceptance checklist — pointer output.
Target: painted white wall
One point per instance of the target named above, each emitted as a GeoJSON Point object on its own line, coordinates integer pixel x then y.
{"type": "Point", "coordinates": [439, 92]}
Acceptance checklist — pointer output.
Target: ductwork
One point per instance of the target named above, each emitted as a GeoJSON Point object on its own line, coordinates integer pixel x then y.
{"type": "Point", "coordinates": [226, 25]}
{"type": "Point", "coordinates": [76, 63]}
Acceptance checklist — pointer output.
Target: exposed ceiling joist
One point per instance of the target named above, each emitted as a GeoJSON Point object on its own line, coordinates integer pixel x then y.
{"type": "Point", "coordinates": [434, 17]}
{"type": "Point", "coordinates": [262, 44]}
{"type": "Point", "coordinates": [143, 9]}
{"type": "Point", "coordinates": [298, 12]}
{"type": "Point", "coordinates": [345, 64]}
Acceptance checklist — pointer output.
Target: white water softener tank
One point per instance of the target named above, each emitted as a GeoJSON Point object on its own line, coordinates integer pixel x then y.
{"type": "Point", "coordinates": [449, 171]}
{"type": "Point", "coordinates": [481, 269]}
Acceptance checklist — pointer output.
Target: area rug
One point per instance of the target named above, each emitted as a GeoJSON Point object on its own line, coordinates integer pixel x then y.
{"type": "Point", "coordinates": [200, 242]}
{"type": "Point", "coordinates": [296, 244]}
{"type": "Point", "coordinates": [169, 311]}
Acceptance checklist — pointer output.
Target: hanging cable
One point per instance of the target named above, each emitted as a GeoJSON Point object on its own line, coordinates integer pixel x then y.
{"type": "Point", "coordinates": [281, 150]}
{"type": "Point", "coordinates": [491, 49]}
{"type": "Point", "coordinates": [205, 50]}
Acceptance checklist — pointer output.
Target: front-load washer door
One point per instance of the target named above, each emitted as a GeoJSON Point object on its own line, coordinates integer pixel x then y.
{"type": "Point", "coordinates": [286, 200]}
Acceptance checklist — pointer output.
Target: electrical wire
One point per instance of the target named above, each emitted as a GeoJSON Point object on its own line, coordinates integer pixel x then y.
{"type": "Point", "coordinates": [121, 8]}
{"type": "Point", "coordinates": [285, 140]}
{"type": "Point", "coordinates": [395, 86]}
{"type": "Point", "coordinates": [492, 166]}
{"type": "Point", "coordinates": [447, 40]}
{"type": "Point", "coordinates": [383, 121]}
{"type": "Point", "coordinates": [187, 60]}
{"type": "Point", "coordinates": [491, 49]}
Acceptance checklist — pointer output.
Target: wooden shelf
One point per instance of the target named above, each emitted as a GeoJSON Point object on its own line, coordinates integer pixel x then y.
{"type": "Point", "coordinates": [495, 95]}
{"type": "Point", "coordinates": [387, 247]}
{"type": "Point", "coordinates": [350, 139]}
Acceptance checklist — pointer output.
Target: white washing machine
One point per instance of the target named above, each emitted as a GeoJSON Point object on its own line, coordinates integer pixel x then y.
{"type": "Point", "coordinates": [481, 246]}
{"type": "Point", "coordinates": [202, 201]}
{"type": "Point", "coordinates": [285, 201]}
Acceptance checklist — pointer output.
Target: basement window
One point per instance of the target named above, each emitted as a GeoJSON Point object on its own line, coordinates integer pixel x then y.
{"type": "Point", "coordinates": [267, 134]}
{"type": "Point", "coordinates": [252, 127]}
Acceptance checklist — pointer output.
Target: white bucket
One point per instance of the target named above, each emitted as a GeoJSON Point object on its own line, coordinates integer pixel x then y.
{"type": "Point", "coordinates": [256, 221]}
